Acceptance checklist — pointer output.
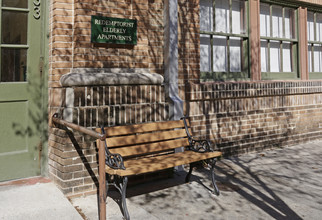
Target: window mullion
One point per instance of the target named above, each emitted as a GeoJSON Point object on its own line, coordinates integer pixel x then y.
{"type": "Point", "coordinates": [313, 70]}
{"type": "Point", "coordinates": [230, 16]}
{"type": "Point", "coordinates": [281, 56]}
{"type": "Point", "coordinates": [228, 54]}
{"type": "Point", "coordinates": [214, 15]}
{"type": "Point", "coordinates": [283, 23]}
{"type": "Point", "coordinates": [271, 20]}
{"type": "Point", "coordinates": [212, 53]}
{"type": "Point", "coordinates": [269, 56]}
{"type": "Point", "coordinates": [314, 26]}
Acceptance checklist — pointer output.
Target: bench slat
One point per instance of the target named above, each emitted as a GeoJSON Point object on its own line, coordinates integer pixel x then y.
{"type": "Point", "coordinates": [142, 128]}
{"type": "Point", "coordinates": [145, 138]}
{"type": "Point", "coordinates": [151, 164]}
{"type": "Point", "coordinates": [148, 148]}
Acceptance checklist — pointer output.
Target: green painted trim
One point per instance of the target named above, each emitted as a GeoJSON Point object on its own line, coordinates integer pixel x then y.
{"type": "Point", "coordinates": [16, 46]}
{"type": "Point", "coordinates": [279, 75]}
{"type": "Point", "coordinates": [223, 76]}
{"type": "Point", "coordinates": [15, 9]}
{"type": "Point", "coordinates": [224, 34]}
{"type": "Point", "coordinates": [315, 42]}
{"type": "Point", "coordinates": [45, 101]}
{"type": "Point", "coordinates": [279, 39]}
{"type": "Point", "coordinates": [314, 75]}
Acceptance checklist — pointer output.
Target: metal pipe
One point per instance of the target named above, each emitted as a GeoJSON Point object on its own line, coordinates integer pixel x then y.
{"type": "Point", "coordinates": [78, 128]}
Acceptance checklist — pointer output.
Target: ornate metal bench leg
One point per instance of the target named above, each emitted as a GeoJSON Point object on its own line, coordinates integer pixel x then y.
{"type": "Point", "coordinates": [123, 194]}
{"type": "Point", "coordinates": [189, 173]}
{"type": "Point", "coordinates": [216, 190]}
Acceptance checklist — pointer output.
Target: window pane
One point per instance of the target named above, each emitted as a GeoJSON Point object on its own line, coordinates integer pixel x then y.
{"type": "Point", "coordinates": [205, 53]}
{"type": "Point", "coordinates": [220, 54]}
{"type": "Point", "coordinates": [277, 21]}
{"type": "Point", "coordinates": [14, 27]}
{"type": "Point", "coordinates": [275, 56]}
{"type": "Point", "coordinates": [318, 27]}
{"type": "Point", "coordinates": [310, 26]}
{"type": "Point", "coordinates": [287, 57]}
{"type": "Point", "coordinates": [206, 15]}
{"type": "Point", "coordinates": [13, 65]}
{"type": "Point", "coordinates": [222, 16]}
{"type": "Point", "coordinates": [238, 17]}
{"type": "Point", "coordinates": [235, 50]}
{"type": "Point", "coordinates": [310, 58]}
{"type": "Point", "coordinates": [15, 3]}
{"type": "Point", "coordinates": [265, 20]}
{"type": "Point", "coordinates": [317, 55]}
{"type": "Point", "coordinates": [264, 56]}
{"type": "Point", "coordinates": [289, 23]}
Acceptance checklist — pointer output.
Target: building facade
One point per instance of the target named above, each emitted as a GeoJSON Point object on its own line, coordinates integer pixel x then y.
{"type": "Point", "coordinates": [247, 73]}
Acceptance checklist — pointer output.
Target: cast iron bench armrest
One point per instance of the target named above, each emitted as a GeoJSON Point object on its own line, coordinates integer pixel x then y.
{"type": "Point", "coordinates": [200, 146]}
{"type": "Point", "coordinates": [114, 161]}
{"type": "Point", "coordinates": [197, 145]}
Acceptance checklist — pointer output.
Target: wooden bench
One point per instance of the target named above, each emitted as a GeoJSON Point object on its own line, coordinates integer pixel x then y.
{"type": "Point", "coordinates": [143, 148]}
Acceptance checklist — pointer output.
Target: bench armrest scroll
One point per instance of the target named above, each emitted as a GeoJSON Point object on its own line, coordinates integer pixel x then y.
{"type": "Point", "coordinates": [200, 146]}
{"type": "Point", "coordinates": [114, 161]}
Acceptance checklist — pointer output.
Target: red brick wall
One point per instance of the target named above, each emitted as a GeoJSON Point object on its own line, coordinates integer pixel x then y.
{"type": "Point", "coordinates": [242, 117]}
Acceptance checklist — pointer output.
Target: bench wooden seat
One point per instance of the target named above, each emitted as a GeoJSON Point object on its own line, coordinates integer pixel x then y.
{"type": "Point", "coordinates": [151, 164]}
{"type": "Point", "coordinates": [149, 147]}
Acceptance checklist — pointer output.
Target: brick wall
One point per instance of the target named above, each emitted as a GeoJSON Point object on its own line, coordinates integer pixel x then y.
{"type": "Point", "coordinates": [242, 117]}
{"type": "Point", "coordinates": [189, 41]}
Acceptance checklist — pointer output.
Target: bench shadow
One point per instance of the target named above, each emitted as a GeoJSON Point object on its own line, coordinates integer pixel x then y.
{"type": "Point", "coordinates": [264, 198]}
{"type": "Point", "coordinates": [82, 156]}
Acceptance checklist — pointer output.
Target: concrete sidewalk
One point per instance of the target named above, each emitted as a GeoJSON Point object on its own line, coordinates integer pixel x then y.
{"type": "Point", "coordinates": [283, 183]}
{"type": "Point", "coordinates": [34, 199]}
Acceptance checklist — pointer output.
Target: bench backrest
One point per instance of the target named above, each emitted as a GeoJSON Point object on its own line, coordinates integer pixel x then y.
{"type": "Point", "coordinates": [147, 138]}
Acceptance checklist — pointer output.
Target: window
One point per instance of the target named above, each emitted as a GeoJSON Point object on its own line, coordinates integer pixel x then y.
{"type": "Point", "coordinates": [279, 42]}
{"type": "Point", "coordinates": [223, 40]}
{"type": "Point", "coordinates": [314, 36]}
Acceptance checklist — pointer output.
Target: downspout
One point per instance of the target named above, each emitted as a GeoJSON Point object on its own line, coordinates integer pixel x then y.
{"type": "Point", "coordinates": [171, 59]}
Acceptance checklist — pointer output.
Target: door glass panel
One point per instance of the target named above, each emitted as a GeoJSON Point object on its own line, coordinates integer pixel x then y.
{"type": "Point", "coordinates": [13, 68]}
{"type": "Point", "coordinates": [14, 27]}
{"type": "Point", "coordinates": [15, 3]}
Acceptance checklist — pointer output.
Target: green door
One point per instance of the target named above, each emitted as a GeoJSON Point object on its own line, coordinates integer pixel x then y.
{"type": "Point", "coordinates": [20, 88]}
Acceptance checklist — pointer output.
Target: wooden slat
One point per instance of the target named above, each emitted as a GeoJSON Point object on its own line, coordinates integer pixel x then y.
{"type": "Point", "coordinates": [150, 148]}
{"type": "Point", "coordinates": [151, 164]}
{"type": "Point", "coordinates": [142, 128]}
{"type": "Point", "coordinates": [145, 138]}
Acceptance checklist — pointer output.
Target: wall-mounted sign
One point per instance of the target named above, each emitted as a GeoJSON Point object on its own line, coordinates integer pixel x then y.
{"type": "Point", "coordinates": [113, 30]}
